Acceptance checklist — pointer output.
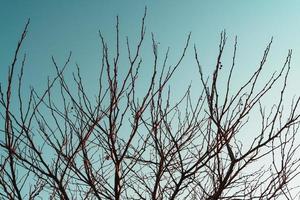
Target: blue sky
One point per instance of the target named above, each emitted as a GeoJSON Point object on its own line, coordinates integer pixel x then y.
{"type": "Point", "coordinates": [58, 27]}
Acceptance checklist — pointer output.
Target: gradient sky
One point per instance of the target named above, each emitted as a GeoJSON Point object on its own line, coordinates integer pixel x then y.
{"type": "Point", "coordinates": [58, 27]}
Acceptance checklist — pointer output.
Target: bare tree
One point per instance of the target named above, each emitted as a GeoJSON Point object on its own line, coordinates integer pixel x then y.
{"type": "Point", "coordinates": [126, 144]}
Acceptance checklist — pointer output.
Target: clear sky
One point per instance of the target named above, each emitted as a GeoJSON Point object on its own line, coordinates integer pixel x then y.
{"type": "Point", "coordinates": [60, 26]}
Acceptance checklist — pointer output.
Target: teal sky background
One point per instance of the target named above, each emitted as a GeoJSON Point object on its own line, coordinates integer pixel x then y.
{"type": "Point", "coordinates": [58, 27]}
